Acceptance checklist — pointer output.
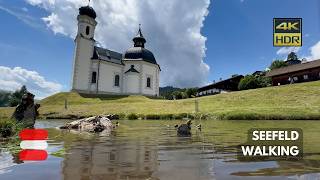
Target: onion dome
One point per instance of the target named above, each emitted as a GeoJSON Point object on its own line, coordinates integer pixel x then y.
{"type": "Point", "coordinates": [138, 52]}
{"type": "Point", "coordinates": [87, 10]}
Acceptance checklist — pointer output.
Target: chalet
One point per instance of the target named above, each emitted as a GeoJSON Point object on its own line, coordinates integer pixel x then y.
{"type": "Point", "coordinates": [222, 86]}
{"type": "Point", "coordinates": [296, 73]}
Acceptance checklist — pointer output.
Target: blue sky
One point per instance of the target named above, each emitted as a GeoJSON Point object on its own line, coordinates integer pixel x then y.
{"type": "Point", "coordinates": [239, 37]}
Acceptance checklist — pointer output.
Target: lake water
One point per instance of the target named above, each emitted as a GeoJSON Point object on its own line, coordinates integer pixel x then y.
{"type": "Point", "coordinates": [146, 149]}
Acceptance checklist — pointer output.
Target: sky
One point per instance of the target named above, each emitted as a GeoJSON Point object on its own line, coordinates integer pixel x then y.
{"type": "Point", "coordinates": [195, 42]}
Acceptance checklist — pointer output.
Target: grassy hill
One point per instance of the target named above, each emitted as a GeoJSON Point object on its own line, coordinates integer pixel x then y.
{"type": "Point", "coordinates": [297, 101]}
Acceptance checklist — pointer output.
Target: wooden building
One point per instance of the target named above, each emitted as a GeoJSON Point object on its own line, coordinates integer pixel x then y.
{"type": "Point", "coordinates": [222, 86]}
{"type": "Point", "coordinates": [296, 73]}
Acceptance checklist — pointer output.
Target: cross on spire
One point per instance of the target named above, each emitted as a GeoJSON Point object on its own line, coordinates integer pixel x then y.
{"type": "Point", "coordinates": [139, 39]}
{"type": "Point", "coordinates": [139, 31]}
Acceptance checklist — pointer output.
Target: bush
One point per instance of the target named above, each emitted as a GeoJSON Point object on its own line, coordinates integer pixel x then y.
{"type": "Point", "coordinates": [277, 64]}
{"type": "Point", "coordinates": [153, 116]}
{"type": "Point", "coordinates": [253, 82]}
{"type": "Point", "coordinates": [132, 116]}
{"type": "Point", "coordinates": [7, 128]}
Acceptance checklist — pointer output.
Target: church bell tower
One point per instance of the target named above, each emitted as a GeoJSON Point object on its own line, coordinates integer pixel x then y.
{"type": "Point", "coordinates": [84, 47]}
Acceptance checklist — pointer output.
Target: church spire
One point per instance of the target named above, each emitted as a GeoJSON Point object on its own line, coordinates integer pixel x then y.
{"type": "Point", "coordinates": [139, 40]}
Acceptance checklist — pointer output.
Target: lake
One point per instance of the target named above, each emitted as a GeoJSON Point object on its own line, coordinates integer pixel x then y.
{"type": "Point", "coordinates": [150, 149]}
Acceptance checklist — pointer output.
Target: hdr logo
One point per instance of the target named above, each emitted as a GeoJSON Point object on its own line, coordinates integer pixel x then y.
{"type": "Point", "coordinates": [287, 32]}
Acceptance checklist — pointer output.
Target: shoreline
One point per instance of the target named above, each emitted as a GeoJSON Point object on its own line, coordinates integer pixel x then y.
{"type": "Point", "coordinates": [193, 116]}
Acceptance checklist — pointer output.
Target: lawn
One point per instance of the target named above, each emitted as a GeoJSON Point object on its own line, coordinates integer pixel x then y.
{"type": "Point", "coordinates": [296, 101]}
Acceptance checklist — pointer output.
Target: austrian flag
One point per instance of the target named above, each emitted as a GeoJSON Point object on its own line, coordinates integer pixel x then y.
{"type": "Point", "coordinates": [33, 144]}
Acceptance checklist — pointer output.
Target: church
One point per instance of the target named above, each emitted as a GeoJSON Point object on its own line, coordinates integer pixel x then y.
{"type": "Point", "coordinates": [97, 70]}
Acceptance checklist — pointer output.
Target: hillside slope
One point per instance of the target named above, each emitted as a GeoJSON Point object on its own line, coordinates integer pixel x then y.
{"type": "Point", "coordinates": [297, 101]}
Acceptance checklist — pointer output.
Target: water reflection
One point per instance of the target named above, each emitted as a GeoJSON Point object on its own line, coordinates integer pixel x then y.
{"type": "Point", "coordinates": [151, 150]}
{"type": "Point", "coordinates": [111, 160]}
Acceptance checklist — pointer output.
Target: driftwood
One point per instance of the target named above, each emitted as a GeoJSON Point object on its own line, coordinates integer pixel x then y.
{"type": "Point", "coordinates": [91, 124]}
{"type": "Point", "coordinates": [27, 111]}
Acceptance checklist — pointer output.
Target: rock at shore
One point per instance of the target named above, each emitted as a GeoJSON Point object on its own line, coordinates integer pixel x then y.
{"type": "Point", "coordinates": [91, 124]}
{"type": "Point", "coordinates": [184, 129]}
{"type": "Point", "coordinates": [27, 111]}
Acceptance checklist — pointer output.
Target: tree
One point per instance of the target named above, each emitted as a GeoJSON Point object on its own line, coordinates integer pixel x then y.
{"type": "Point", "coordinates": [253, 82]}
{"type": "Point", "coordinates": [292, 56]}
{"type": "Point", "coordinates": [277, 64]}
{"type": "Point", "coordinates": [4, 98]}
{"type": "Point", "coordinates": [191, 92]}
{"type": "Point", "coordinates": [15, 97]}
{"type": "Point", "coordinates": [248, 82]}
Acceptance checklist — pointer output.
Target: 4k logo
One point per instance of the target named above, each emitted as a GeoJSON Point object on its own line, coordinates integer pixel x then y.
{"type": "Point", "coordinates": [287, 32]}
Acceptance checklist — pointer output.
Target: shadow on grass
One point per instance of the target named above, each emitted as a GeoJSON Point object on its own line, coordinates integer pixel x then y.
{"type": "Point", "coordinates": [103, 96]}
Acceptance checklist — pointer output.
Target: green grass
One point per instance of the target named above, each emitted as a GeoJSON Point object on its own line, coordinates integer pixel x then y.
{"type": "Point", "coordinates": [9, 127]}
{"type": "Point", "coordinates": [297, 101]}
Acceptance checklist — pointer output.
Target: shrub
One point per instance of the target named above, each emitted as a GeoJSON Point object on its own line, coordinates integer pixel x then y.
{"type": "Point", "coordinates": [122, 116]}
{"type": "Point", "coordinates": [277, 64]}
{"type": "Point", "coordinates": [132, 116]}
{"type": "Point", "coordinates": [253, 82]}
{"type": "Point", "coordinates": [153, 116]}
{"type": "Point", "coordinates": [7, 128]}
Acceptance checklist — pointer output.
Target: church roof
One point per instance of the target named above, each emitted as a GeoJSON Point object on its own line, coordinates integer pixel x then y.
{"type": "Point", "coordinates": [87, 10]}
{"type": "Point", "coordinates": [140, 53]}
{"type": "Point", "coordinates": [107, 55]}
{"type": "Point", "coordinates": [132, 69]}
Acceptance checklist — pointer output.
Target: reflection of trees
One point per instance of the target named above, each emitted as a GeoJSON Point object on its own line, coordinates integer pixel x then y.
{"type": "Point", "coordinates": [109, 160]}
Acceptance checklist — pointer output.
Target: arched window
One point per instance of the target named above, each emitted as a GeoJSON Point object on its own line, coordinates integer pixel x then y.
{"type": "Point", "coordinates": [87, 30]}
{"type": "Point", "coordinates": [94, 77]}
{"type": "Point", "coordinates": [117, 80]}
{"type": "Point", "coordinates": [149, 82]}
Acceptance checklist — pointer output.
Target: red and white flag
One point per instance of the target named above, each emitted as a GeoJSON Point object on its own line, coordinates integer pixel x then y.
{"type": "Point", "coordinates": [33, 144]}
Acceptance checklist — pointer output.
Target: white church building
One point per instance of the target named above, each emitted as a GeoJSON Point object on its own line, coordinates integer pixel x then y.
{"type": "Point", "coordinates": [97, 70]}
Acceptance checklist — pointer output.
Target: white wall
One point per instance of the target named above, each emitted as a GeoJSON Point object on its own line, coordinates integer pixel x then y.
{"type": "Point", "coordinates": [132, 83]}
{"type": "Point", "coordinates": [146, 70]}
{"type": "Point", "coordinates": [82, 64]}
{"type": "Point", "coordinates": [83, 52]}
{"type": "Point", "coordinates": [106, 75]}
{"type": "Point", "coordinates": [150, 70]}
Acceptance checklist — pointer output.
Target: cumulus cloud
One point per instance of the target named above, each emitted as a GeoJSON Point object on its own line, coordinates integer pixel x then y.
{"type": "Point", "coordinates": [172, 29]}
{"type": "Point", "coordinates": [287, 50]}
{"type": "Point", "coordinates": [22, 16]}
{"type": "Point", "coordinates": [12, 79]}
{"type": "Point", "coordinates": [315, 52]}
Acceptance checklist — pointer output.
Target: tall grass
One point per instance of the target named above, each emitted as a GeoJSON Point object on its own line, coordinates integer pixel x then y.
{"type": "Point", "coordinates": [9, 127]}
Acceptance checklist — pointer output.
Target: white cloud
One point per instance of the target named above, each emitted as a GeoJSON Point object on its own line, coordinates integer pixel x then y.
{"type": "Point", "coordinates": [12, 79]}
{"type": "Point", "coordinates": [314, 52]}
{"type": "Point", "coordinates": [287, 50]}
{"type": "Point", "coordinates": [171, 27]}
{"type": "Point", "coordinates": [27, 19]}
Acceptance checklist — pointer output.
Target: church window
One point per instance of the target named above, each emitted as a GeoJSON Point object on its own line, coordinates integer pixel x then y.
{"type": "Point", "coordinates": [87, 30]}
{"type": "Point", "coordinates": [94, 77]}
{"type": "Point", "coordinates": [149, 82]}
{"type": "Point", "coordinates": [117, 80]}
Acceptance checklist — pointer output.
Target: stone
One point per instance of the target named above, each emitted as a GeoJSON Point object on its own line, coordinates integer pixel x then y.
{"type": "Point", "coordinates": [184, 129]}
{"type": "Point", "coordinates": [27, 111]}
{"type": "Point", "coordinates": [91, 124]}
